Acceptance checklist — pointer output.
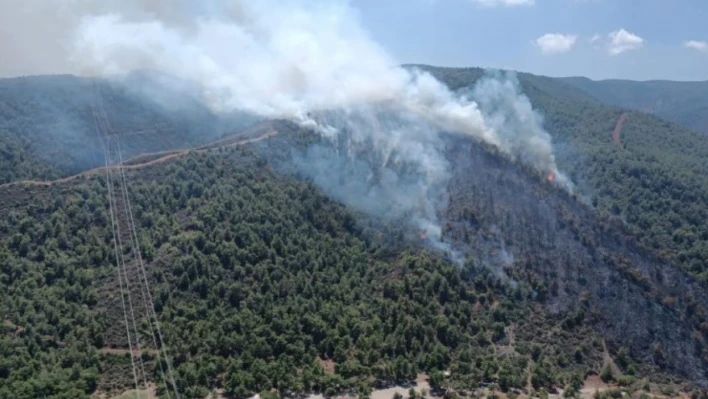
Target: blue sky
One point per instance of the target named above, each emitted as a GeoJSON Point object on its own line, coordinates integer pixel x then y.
{"type": "Point", "coordinates": [632, 39]}
{"type": "Point", "coordinates": [650, 35]}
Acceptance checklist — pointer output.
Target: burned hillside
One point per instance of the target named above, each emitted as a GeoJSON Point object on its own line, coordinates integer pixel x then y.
{"type": "Point", "coordinates": [519, 224]}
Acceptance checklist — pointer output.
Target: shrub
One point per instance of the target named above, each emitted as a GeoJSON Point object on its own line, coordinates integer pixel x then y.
{"type": "Point", "coordinates": [613, 393]}
{"type": "Point", "coordinates": [570, 392]}
{"type": "Point", "coordinates": [606, 375]}
{"type": "Point", "coordinates": [626, 380]}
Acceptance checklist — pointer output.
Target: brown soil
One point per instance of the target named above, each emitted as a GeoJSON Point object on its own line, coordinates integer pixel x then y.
{"type": "Point", "coordinates": [593, 383]}
{"type": "Point", "coordinates": [327, 365]}
{"type": "Point", "coordinates": [618, 128]}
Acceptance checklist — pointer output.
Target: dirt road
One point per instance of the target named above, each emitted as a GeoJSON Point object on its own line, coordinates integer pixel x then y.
{"type": "Point", "coordinates": [618, 128]}
{"type": "Point", "coordinates": [164, 156]}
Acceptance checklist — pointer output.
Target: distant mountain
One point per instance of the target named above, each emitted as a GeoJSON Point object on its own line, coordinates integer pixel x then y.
{"type": "Point", "coordinates": [685, 103]}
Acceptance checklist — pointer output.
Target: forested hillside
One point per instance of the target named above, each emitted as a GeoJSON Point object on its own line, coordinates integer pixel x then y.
{"type": "Point", "coordinates": [260, 282]}
{"type": "Point", "coordinates": [685, 103]}
{"type": "Point", "coordinates": [506, 218]}
{"type": "Point", "coordinates": [653, 178]}
{"type": "Point", "coordinates": [47, 127]}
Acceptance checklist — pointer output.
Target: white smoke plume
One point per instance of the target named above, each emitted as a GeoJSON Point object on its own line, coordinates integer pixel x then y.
{"type": "Point", "coordinates": [518, 128]}
{"type": "Point", "coordinates": [310, 61]}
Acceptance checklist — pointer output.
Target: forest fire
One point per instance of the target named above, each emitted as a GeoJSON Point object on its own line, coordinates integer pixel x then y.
{"type": "Point", "coordinates": [423, 236]}
{"type": "Point", "coordinates": [551, 177]}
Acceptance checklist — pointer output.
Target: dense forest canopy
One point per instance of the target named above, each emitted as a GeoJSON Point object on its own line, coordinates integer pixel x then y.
{"type": "Point", "coordinates": [263, 282]}
{"type": "Point", "coordinates": [259, 281]}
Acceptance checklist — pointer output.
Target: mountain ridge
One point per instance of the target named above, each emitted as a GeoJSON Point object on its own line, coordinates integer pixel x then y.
{"type": "Point", "coordinates": [571, 77]}
{"type": "Point", "coordinates": [683, 102]}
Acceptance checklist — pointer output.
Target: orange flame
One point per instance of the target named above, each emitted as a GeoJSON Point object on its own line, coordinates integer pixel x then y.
{"type": "Point", "coordinates": [551, 177]}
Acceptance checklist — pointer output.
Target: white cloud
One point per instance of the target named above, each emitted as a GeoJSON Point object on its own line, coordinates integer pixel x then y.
{"type": "Point", "coordinates": [594, 38]}
{"type": "Point", "coordinates": [508, 3]}
{"type": "Point", "coordinates": [622, 41]}
{"type": "Point", "coordinates": [554, 43]}
{"type": "Point", "coordinates": [696, 45]}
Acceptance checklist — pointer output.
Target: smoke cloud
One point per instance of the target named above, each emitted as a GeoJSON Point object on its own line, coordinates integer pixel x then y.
{"type": "Point", "coordinates": [518, 128]}
{"type": "Point", "coordinates": [311, 62]}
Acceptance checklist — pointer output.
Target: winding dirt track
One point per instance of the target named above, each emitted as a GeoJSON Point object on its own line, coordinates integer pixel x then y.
{"type": "Point", "coordinates": [166, 156]}
{"type": "Point", "coordinates": [618, 128]}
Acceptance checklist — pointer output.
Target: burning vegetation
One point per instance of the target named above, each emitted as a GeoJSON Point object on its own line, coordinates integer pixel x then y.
{"type": "Point", "coordinates": [550, 177]}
